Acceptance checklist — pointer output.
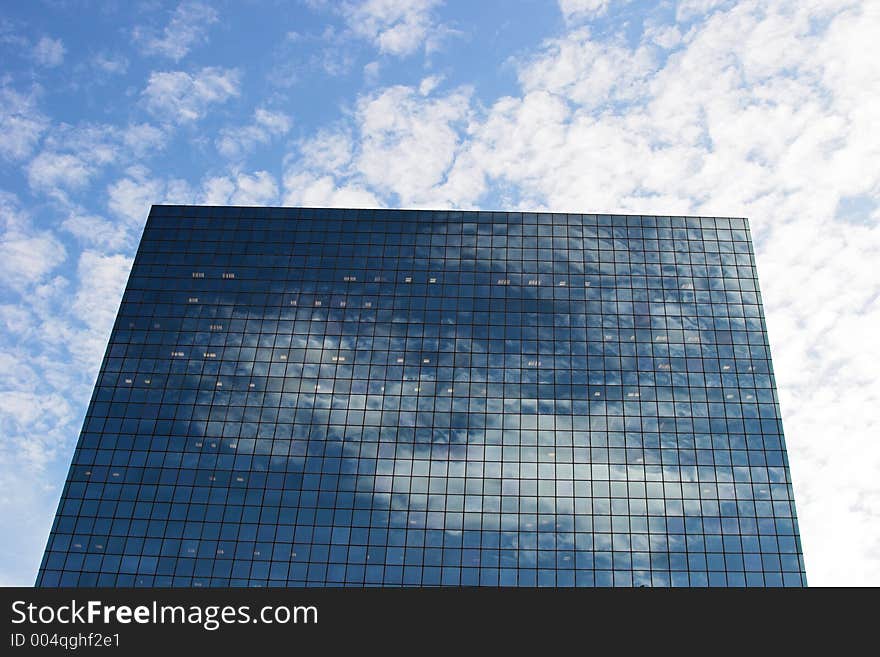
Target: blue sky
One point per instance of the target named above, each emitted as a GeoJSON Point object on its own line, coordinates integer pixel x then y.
{"type": "Point", "coordinates": [760, 109]}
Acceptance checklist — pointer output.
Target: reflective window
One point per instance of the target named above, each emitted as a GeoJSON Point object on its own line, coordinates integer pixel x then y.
{"type": "Point", "coordinates": [383, 398]}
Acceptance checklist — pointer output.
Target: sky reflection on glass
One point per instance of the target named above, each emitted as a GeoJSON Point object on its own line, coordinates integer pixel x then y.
{"type": "Point", "coordinates": [379, 397]}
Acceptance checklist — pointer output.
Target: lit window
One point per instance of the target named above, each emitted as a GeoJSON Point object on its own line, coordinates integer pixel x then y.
{"type": "Point", "coordinates": [193, 300]}
{"type": "Point", "coordinates": [198, 274]}
{"type": "Point", "coordinates": [228, 275]}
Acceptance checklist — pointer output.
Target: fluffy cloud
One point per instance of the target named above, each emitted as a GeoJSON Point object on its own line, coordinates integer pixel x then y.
{"type": "Point", "coordinates": [574, 9]}
{"type": "Point", "coordinates": [21, 124]}
{"type": "Point", "coordinates": [395, 27]}
{"type": "Point", "coordinates": [49, 52]}
{"type": "Point", "coordinates": [112, 64]}
{"type": "Point", "coordinates": [177, 96]}
{"type": "Point", "coordinates": [236, 142]}
{"type": "Point", "coordinates": [74, 155]}
{"type": "Point", "coordinates": [103, 277]}
{"type": "Point", "coordinates": [310, 190]}
{"type": "Point", "coordinates": [259, 188]}
{"type": "Point", "coordinates": [405, 143]}
{"type": "Point", "coordinates": [51, 171]}
{"type": "Point", "coordinates": [130, 197]}
{"type": "Point", "coordinates": [27, 255]}
{"type": "Point", "coordinates": [96, 231]}
{"type": "Point", "coordinates": [187, 28]}
{"type": "Point", "coordinates": [144, 138]}
{"type": "Point", "coordinates": [329, 150]}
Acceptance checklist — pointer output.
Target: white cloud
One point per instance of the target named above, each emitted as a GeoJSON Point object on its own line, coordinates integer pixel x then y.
{"type": "Point", "coordinates": [666, 36]}
{"type": "Point", "coordinates": [187, 28]}
{"type": "Point", "coordinates": [688, 9]}
{"type": "Point", "coordinates": [329, 150]}
{"type": "Point", "coordinates": [143, 138]}
{"type": "Point", "coordinates": [371, 72]}
{"type": "Point", "coordinates": [575, 9]}
{"type": "Point", "coordinates": [27, 255]}
{"type": "Point", "coordinates": [97, 231]}
{"type": "Point", "coordinates": [102, 281]}
{"type": "Point", "coordinates": [51, 171]}
{"type": "Point", "coordinates": [111, 63]}
{"type": "Point", "coordinates": [75, 155]}
{"type": "Point", "coordinates": [259, 188]}
{"type": "Point", "coordinates": [177, 96]}
{"type": "Point", "coordinates": [21, 124]}
{"type": "Point", "coordinates": [407, 144]}
{"type": "Point", "coordinates": [309, 190]}
{"type": "Point", "coordinates": [588, 72]}
{"type": "Point", "coordinates": [236, 142]}
{"type": "Point", "coordinates": [396, 27]}
{"type": "Point", "coordinates": [49, 52]}
{"type": "Point", "coordinates": [131, 196]}
{"type": "Point", "coordinates": [402, 142]}
{"type": "Point", "coordinates": [25, 259]}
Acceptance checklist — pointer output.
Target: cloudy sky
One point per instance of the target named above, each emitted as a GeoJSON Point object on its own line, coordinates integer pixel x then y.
{"type": "Point", "coordinates": [769, 110]}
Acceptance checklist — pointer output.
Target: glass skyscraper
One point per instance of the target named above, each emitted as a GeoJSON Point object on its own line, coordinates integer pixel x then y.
{"type": "Point", "coordinates": [330, 397]}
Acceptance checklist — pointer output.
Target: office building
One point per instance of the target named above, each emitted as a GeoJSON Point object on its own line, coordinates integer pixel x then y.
{"type": "Point", "coordinates": [326, 397]}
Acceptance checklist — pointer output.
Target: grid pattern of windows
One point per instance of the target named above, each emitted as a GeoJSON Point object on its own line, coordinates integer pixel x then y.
{"type": "Point", "coordinates": [383, 397]}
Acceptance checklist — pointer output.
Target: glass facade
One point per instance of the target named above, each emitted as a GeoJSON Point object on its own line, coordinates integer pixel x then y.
{"type": "Point", "coordinates": [384, 397]}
